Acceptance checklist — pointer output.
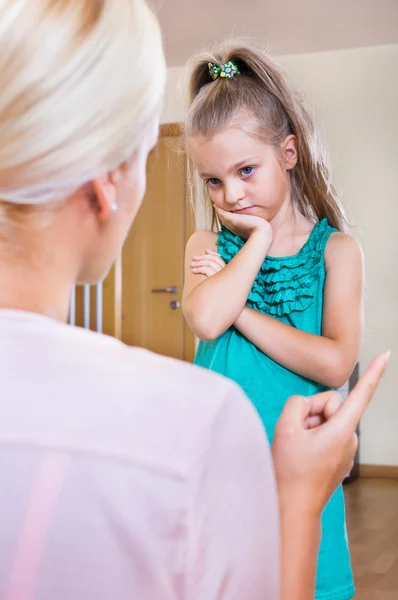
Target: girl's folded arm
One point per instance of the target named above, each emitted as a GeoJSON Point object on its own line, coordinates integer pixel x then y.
{"type": "Point", "coordinates": [328, 359]}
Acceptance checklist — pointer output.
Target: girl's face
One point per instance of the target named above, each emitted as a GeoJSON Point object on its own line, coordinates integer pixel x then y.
{"type": "Point", "coordinates": [243, 174]}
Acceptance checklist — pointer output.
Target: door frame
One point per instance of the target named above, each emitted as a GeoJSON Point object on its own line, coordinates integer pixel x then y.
{"type": "Point", "coordinates": [177, 130]}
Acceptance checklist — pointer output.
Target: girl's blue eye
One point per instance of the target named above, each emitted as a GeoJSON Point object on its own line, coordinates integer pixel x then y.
{"type": "Point", "coordinates": [213, 181]}
{"type": "Point", "coordinates": [247, 171]}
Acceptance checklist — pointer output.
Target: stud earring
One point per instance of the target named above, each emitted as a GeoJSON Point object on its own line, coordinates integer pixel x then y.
{"type": "Point", "coordinates": [114, 207]}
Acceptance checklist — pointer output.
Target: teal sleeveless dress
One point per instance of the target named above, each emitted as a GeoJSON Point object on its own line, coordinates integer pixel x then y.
{"type": "Point", "coordinates": [291, 290]}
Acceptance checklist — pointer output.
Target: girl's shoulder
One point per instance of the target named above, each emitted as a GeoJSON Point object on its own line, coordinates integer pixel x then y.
{"type": "Point", "coordinates": [200, 241]}
{"type": "Point", "coordinates": [342, 244]}
{"type": "Point", "coordinates": [344, 249]}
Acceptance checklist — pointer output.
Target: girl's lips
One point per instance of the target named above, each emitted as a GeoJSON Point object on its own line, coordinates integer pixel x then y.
{"type": "Point", "coordinates": [243, 210]}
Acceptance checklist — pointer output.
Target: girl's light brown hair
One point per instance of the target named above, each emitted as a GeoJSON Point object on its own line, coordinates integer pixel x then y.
{"type": "Point", "coordinates": [264, 90]}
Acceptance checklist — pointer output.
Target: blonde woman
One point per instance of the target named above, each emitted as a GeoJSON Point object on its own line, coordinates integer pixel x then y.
{"type": "Point", "coordinates": [123, 474]}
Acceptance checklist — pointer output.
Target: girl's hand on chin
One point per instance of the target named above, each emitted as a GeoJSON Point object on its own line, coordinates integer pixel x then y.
{"type": "Point", "coordinates": [244, 225]}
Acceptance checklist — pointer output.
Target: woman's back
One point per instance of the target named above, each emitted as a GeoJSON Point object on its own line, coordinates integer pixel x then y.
{"type": "Point", "coordinates": [124, 447]}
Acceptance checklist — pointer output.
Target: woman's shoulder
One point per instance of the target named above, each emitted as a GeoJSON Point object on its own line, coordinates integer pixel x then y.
{"type": "Point", "coordinates": [117, 392]}
{"type": "Point", "coordinates": [145, 374]}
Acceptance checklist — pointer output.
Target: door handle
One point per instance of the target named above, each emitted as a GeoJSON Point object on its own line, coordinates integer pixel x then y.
{"type": "Point", "coordinates": [167, 290]}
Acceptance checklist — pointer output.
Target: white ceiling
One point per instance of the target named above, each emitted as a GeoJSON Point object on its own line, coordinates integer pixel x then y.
{"type": "Point", "coordinates": [288, 26]}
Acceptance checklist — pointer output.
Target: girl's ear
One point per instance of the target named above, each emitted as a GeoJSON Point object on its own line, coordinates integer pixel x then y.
{"type": "Point", "coordinates": [289, 152]}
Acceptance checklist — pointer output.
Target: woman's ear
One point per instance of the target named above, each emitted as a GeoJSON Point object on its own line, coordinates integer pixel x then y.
{"type": "Point", "coordinates": [105, 191]}
{"type": "Point", "coordinates": [289, 151]}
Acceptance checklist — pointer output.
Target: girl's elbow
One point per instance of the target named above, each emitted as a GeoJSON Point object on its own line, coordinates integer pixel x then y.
{"type": "Point", "coordinates": [336, 381]}
{"type": "Point", "coordinates": [206, 330]}
{"type": "Point", "coordinates": [338, 374]}
{"type": "Point", "coordinates": [206, 335]}
{"type": "Point", "coordinates": [202, 326]}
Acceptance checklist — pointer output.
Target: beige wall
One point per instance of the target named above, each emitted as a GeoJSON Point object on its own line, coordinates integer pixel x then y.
{"type": "Point", "coordinates": [355, 95]}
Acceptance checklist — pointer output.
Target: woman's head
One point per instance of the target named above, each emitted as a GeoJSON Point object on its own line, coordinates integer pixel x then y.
{"type": "Point", "coordinates": [255, 120]}
{"type": "Point", "coordinates": [82, 86]}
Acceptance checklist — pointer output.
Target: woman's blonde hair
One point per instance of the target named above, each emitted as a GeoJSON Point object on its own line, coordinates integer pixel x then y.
{"type": "Point", "coordinates": [263, 89]}
{"type": "Point", "coordinates": [80, 82]}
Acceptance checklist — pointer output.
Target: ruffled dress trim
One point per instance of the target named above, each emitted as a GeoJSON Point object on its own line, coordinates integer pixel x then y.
{"type": "Point", "coordinates": [283, 284]}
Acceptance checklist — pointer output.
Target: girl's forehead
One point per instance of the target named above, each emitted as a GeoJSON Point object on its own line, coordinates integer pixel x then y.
{"type": "Point", "coordinates": [231, 139]}
{"type": "Point", "coordinates": [229, 145]}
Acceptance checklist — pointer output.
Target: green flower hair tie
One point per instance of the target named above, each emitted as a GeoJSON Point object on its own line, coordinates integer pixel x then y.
{"type": "Point", "coordinates": [227, 70]}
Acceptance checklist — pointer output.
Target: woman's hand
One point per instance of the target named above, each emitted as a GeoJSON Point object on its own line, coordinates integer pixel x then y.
{"type": "Point", "coordinates": [245, 225]}
{"type": "Point", "coordinates": [315, 443]}
{"type": "Point", "coordinates": [207, 264]}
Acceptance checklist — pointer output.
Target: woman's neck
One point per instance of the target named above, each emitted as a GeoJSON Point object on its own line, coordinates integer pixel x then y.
{"type": "Point", "coordinates": [32, 290]}
{"type": "Point", "coordinates": [40, 262]}
{"type": "Point", "coordinates": [37, 273]}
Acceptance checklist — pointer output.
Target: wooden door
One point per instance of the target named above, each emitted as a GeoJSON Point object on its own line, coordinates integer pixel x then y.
{"type": "Point", "coordinates": [129, 307]}
{"type": "Point", "coordinates": [153, 256]}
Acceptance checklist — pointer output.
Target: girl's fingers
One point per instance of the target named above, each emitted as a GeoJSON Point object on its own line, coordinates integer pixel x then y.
{"type": "Point", "coordinates": [206, 263]}
{"type": "Point", "coordinates": [209, 254]}
{"type": "Point", "coordinates": [208, 260]}
{"type": "Point", "coordinates": [207, 271]}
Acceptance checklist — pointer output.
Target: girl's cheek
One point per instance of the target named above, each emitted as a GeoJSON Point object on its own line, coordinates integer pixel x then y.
{"type": "Point", "coordinates": [216, 198]}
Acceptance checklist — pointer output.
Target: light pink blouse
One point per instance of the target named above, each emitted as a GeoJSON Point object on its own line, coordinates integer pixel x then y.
{"type": "Point", "coordinates": [127, 476]}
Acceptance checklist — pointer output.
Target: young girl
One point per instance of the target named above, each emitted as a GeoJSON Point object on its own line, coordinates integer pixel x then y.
{"type": "Point", "coordinates": [276, 296]}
